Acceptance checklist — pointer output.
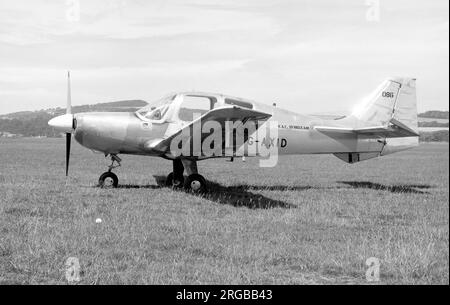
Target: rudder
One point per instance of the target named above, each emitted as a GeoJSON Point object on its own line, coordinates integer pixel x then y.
{"type": "Point", "coordinates": [405, 110]}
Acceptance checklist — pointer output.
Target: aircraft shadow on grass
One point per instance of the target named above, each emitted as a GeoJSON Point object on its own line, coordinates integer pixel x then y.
{"type": "Point", "coordinates": [242, 195]}
{"type": "Point", "coordinates": [402, 188]}
{"type": "Point", "coordinates": [238, 196]}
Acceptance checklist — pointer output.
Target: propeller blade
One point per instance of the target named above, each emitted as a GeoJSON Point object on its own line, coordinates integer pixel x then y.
{"type": "Point", "coordinates": [69, 95]}
{"type": "Point", "coordinates": [68, 142]}
{"type": "Point", "coordinates": [68, 135]}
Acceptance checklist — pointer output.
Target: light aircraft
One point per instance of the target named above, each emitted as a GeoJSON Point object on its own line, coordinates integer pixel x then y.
{"type": "Point", "coordinates": [386, 122]}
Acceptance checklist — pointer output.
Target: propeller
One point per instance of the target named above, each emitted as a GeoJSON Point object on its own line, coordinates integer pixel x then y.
{"type": "Point", "coordinates": [66, 123]}
{"type": "Point", "coordinates": [68, 134]}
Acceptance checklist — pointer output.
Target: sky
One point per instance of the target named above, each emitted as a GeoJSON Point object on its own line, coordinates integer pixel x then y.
{"type": "Point", "coordinates": [309, 56]}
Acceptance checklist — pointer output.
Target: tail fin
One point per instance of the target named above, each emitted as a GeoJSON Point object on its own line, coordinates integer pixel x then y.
{"type": "Point", "coordinates": [405, 110]}
{"type": "Point", "coordinates": [394, 101]}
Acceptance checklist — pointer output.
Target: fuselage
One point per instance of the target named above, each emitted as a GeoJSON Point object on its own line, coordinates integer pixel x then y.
{"type": "Point", "coordinates": [194, 126]}
{"type": "Point", "coordinates": [127, 133]}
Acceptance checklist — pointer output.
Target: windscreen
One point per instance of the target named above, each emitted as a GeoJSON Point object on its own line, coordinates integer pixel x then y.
{"type": "Point", "coordinates": [156, 110]}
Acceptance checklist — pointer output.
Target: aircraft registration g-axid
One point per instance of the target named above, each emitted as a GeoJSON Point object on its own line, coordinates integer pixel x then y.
{"type": "Point", "coordinates": [187, 127]}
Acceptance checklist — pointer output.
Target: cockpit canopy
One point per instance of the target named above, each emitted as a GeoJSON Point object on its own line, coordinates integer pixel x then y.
{"type": "Point", "coordinates": [185, 106]}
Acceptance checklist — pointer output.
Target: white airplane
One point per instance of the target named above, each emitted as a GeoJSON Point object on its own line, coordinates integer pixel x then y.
{"type": "Point", "coordinates": [383, 124]}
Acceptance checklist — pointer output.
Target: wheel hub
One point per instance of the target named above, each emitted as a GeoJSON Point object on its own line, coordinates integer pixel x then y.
{"type": "Point", "coordinates": [108, 182]}
{"type": "Point", "coordinates": [196, 185]}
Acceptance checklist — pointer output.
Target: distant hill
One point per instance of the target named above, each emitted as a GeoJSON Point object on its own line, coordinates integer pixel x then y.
{"type": "Point", "coordinates": [434, 124]}
{"type": "Point", "coordinates": [434, 119]}
{"type": "Point", "coordinates": [120, 106]}
{"type": "Point", "coordinates": [34, 123]}
{"type": "Point", "coordinates": [434, 114]}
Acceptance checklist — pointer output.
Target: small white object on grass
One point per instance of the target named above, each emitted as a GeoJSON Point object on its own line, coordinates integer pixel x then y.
{"type": "Point", "coordinates": [98, 220]}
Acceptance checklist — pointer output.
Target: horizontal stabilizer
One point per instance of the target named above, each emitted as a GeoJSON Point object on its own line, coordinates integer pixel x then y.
{"type": "Point", "coordinates": [394, 129]}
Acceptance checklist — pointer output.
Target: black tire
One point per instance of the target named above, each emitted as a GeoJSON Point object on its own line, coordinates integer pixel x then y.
{"type": "Point", "coordinates": [195, 183]}
{"type": "Point", "coordinates": [170, 182]}
{"type": "Point", "coordinates": [108, 180]}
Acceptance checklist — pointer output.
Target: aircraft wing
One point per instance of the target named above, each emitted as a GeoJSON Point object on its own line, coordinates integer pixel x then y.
{"type": "Point", "coordinates": [221, 115]}
{"type": "Point", "coordinates": [395, 129]}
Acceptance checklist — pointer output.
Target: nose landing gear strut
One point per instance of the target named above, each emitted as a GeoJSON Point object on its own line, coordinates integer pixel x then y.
{"type": "Point", "coordinates": [109, 179]}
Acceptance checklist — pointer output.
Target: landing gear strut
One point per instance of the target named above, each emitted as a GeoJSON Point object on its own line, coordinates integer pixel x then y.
{"type": "Point", "coordinates": [109, 179]}
{"type": "Point", "coordinates": [176, 179]}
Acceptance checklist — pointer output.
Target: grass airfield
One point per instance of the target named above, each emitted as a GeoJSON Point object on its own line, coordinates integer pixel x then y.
{"type": "Point", "coordinates": [310, 220]}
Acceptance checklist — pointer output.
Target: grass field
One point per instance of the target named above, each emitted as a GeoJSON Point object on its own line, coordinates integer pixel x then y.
{"type": "Point", "coordinates": [310, 220]}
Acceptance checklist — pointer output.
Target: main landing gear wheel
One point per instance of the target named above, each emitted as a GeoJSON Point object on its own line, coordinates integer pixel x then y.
{"type": "Point", "coordinates": [108, 180]}
{"type": "Point", "coordinates": [174, 182]}
{"type": "Point", "coordinates": [195, 183]}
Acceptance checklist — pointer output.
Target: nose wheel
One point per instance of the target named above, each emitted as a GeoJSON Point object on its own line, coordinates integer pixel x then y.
{"type": "Point", "coordinates": [109, 179]}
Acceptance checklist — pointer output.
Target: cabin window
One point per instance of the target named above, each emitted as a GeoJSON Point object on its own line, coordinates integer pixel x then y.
{"type": "Point", "coordinates": [193, 104]}
{"type": "Point", "coordinates": [238, 103]}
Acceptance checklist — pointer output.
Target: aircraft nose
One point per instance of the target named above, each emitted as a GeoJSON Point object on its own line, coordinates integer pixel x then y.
{"type": "Point", "coordinates": [63, 123]}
